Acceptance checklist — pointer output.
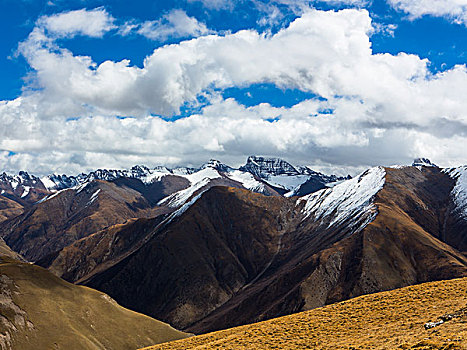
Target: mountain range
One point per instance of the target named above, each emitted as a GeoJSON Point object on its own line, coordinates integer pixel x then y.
{"type": "Point", "coordinates": [214, 247]}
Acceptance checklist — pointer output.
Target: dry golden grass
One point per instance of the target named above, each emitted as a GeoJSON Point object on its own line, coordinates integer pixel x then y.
{"type": "Point", "coordinates": [41, 311]}
{"type": "Point", "coordinates": [387, 320]}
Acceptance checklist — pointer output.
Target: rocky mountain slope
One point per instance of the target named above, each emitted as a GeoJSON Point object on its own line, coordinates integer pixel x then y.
{"type": "Point", "coordinates": [216, 247]}
{"type": "Point", "coordinates": [41, 311]}
{"type": "Point", "coordinates": [42, 216]}
{"type": "Point", "coordinates": [68, 215]}
{"type": "Point", "coordinates": [229, 256]}
{"type": "Point", "coordinates": [259, 174]}
{"type": "Point", "coordinates": [399, 319]}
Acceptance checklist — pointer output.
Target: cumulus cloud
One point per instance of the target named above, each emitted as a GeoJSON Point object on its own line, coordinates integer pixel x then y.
{"type": "Point", "coordinates": [373, 108]}
{"type": "Point", "coordinates": [455, 10]}
{"type": "Point", "coordinates": [175, 24]}
{"type": "Point", "coordinates": [93, 23]}
{"type": "Point", "coordinates": [216, 4]}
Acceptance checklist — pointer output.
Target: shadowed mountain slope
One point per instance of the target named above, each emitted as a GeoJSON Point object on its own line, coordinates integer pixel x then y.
{"type": "Point", "coordinates": [95, 253]}
{"type": "Point", "coordinates": [41, 311]}
{"type": "Point", "coordinates": [230, 256]}
{"type": "Point", "coordinates": [321, 264]}
{"type": "Point", "coordinates": [6, 251]}
{"type": "Point", "coordinates": [198, 261]}
{"type": "Point", "coordinates": [387, 320]}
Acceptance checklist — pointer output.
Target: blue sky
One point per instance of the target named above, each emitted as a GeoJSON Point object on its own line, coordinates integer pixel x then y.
{"type": "Point", "coordinates": [189, 112]}
{"type": "Point", "coordinates": [436, 38]}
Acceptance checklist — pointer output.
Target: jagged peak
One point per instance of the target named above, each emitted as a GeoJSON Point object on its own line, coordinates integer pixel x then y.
{"type": "Point", "coordinates": [423, 162]}
{"type": "Point", "coordinates": [266, 166]}
{"type": "Point", "coordinates": [216, 164]}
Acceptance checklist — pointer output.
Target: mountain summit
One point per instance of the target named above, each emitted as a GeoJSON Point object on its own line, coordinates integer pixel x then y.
{"type": "Point", "coordinates": [266, 167]}
{"type": "Point", "coordinates": [423, 162]}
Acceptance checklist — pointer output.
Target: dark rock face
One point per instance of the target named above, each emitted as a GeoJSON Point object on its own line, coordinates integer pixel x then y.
{"type": "Point", "coordinates": [265, 167]}
{"type": "Point", "coordinates": [423, 162]}
{"type": "Point", "coordinates": [316, 182]}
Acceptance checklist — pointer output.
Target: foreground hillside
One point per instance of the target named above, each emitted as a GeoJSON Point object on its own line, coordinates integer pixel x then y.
{"type": "Point", "coordinates": [387, 320]}
{"type": "Point", "coordinates": [41, 311]}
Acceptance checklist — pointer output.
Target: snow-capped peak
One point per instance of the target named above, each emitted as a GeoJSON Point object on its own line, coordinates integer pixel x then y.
{"type": "Point", "coordinates": [19, 185]}
{"type": "Point", "coordinates": [265, 167]}
{"type": "Point", "coordinates": [459, 192]}
{"type": "Point", "coordinates": [423, 162]}
{"type": "Point", "coordinates": [351, 199]}
{"type": "Point", "coordinates": [216, 164]}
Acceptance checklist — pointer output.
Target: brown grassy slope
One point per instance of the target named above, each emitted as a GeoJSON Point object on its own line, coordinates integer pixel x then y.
{"type": "Point", "coordinates": [41, 311]}
{"type": "Point", "coordinates": [5, 250]}
{"type": "Point", "coordinates": [386, 320]}
{"type": "Point", "coordinates": [9, 208]}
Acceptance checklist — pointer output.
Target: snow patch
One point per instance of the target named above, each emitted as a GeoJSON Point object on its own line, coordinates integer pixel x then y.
{"type": "Point", "coordinates": [287, 182]}
{"type": "Point", "coordinates": [203, 174]}
{"type": "Point", "coordinates": [349, 199]}
{"type": "Point", "coordinates": [48, 183]}
{"type": "Point", "coordinates": [152, 177]}
{"type": "Point", "coordinates": [46, 198]}
{"type": "Point", "coordinates": [197, 180]}
{"type": "Point", "coordinates": [26, 191]}
{"type": "Point", "coordinates": [181, 197]}
{"type": "Point", "coordinates": [81, 187]}
{"type": "Point", "coordinates": [459, 192]}
{"type": "Point", "coordinates": [247, 180]}
{"type": "Point", "coordinates": [94, 197]}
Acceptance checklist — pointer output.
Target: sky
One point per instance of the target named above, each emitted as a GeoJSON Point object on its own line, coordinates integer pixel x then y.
{"type": "Point", "coordinates": [340, 85]}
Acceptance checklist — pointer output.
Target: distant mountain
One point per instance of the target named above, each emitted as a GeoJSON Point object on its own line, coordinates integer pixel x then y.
{"type": "Point", "coordinates": [266, 167]}
{"type": "Point", "coordinates": [276, 173]}
{"type": "Point", "coordinates": [42, 311]}
{"type": "Point", "coordinates": [229, 256]}
{"type": "Point", "coordinates": [45, 215]}
{"type": "Point", "coordinates": [23, 188]}
{"type": "Point", "coordinates": [423, 162]}
{"type": "Point", "coordinates": [286, 178]}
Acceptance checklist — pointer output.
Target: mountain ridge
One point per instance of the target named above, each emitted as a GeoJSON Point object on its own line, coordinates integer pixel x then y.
{"type": "Point", "coordinates": [217, 247]}
{"type": "Point", "coordinates": [325, 247]}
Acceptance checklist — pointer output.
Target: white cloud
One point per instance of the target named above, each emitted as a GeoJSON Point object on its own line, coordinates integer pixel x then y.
{"type": "Point", "coordinates": [175, 24]}
{"type": "Point", "coordinates": [307, 3]}
{"type": "Point", "coordinates": [216, 4]}
{"type": "Point", "coordinates": [386, 108]}
{"type": "Point", "coordinates": [455, 10]}
{"type": "Point", "coordinates": [93, 23]}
